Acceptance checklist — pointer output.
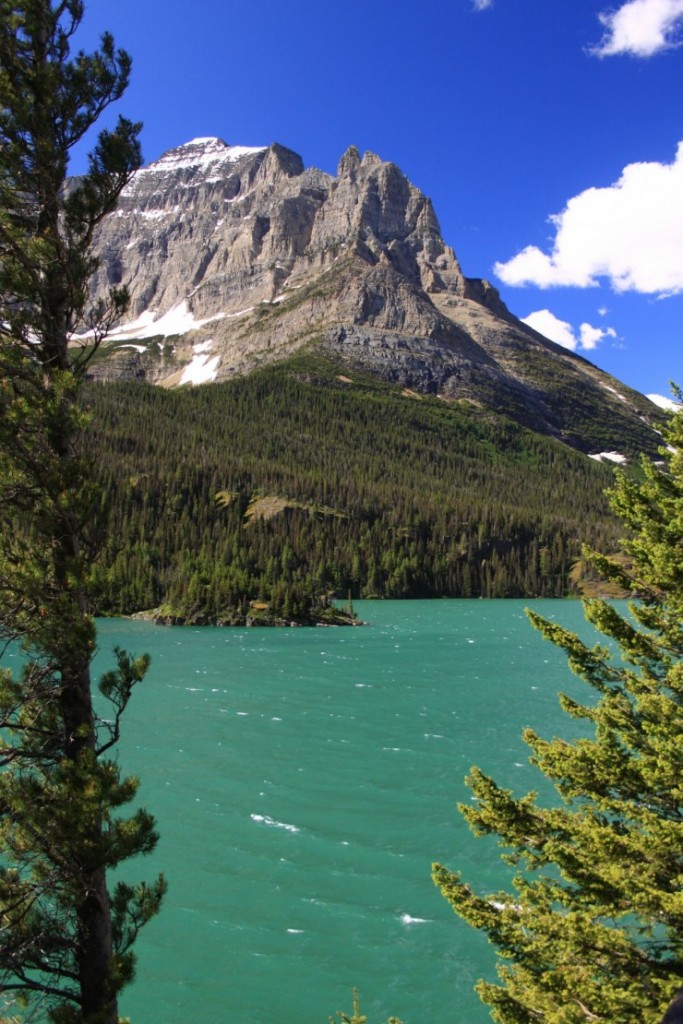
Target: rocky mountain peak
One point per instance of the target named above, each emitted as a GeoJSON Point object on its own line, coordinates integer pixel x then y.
{"type": "Point", "coordinates": [199, 155]}
{"type": "Point", "coordinates": [280, 162]}
{"type": "Point", "coordinates": [371, 159]}
{"type": "Point", "coordinates": [349, 163]}
{"type": "Point", "coordinates": [237, 255]}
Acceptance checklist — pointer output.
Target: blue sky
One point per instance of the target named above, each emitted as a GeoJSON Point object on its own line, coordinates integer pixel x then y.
{"type": "Point", "coordinates": [545, 131]}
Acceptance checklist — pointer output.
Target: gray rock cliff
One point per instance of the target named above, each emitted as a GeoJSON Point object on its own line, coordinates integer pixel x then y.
{"type": "Point", "coordinates": [236, 256]}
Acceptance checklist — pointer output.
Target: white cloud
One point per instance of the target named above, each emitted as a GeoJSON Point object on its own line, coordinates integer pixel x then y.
{"type": "Point", "coordinates": [665, 403]}
{"type": "Point", "coordinates": [550, 326]}
{"type": "Point", "coordinates": [482, 5]}
{"type": "Point", "coordinates": [590, 336]}
{"type": "Point", "coordinates": [641, 28]}
{"type": "Point", "coordinates": [630, 233]}
{"type": "Point", "coordinates": [547, 324]}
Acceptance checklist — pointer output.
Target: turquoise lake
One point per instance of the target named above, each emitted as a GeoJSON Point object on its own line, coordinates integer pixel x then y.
{"type": "Point", "coordinates": [303, 781]}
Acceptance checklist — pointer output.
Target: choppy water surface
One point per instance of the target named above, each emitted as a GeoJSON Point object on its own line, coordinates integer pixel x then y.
{"type": "Point", "coordinates": [303, 782]}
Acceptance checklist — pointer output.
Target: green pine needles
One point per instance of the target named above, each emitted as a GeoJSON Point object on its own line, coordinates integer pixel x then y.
{"type": "Point", "coordinates": [357, 1017]}
{"type": "Point", "coordinates": [594, 928]}
{"type": "Point", "coordinates": [65, 938]}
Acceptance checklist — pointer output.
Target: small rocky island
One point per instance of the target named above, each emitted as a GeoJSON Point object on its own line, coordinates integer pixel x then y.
{"type": "Point", "coordinates": [259, 613]}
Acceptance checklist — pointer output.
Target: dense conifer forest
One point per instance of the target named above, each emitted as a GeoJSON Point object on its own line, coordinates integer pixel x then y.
{"type": "Point", "coordinates": [264, 496]}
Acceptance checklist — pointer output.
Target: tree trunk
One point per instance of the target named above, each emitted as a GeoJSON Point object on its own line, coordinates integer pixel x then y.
{"type": "Point", "coordinates": [94, 930]}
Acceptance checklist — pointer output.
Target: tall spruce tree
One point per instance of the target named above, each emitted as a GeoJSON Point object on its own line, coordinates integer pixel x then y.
{"type": "Point", "coordinates": [594, 928]}
{"type": "Point", "coordinates": [65, 940]}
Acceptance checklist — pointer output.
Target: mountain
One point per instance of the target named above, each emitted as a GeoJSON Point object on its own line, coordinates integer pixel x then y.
{"type": "Point", "coordinates": [238, 257]}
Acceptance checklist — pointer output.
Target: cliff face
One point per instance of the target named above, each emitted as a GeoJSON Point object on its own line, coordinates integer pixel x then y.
{"type": "Point", "coordinates": [236, 256]}
{"type": "Point", "coordinates": [213, 231]}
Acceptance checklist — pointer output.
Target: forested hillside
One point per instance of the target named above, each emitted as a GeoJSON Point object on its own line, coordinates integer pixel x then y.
{"type": "Point", "coordinates": [262, 494]}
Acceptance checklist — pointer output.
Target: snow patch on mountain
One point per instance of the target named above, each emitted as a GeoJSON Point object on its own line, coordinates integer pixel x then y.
{"type": "Point", "coordinates": [203, 368]}
{"type": "Point", "coordinates": [199, 154]}
{"type": "Point", "coordinates": [178, 320]}
{"type": "Point", "coordinates": [609, 457]}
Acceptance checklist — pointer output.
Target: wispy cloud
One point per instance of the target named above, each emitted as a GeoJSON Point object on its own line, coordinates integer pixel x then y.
{"type": "Point", "coordinates": [561, 332]}
{"type": "Point", "coordinates": [640, 28]}
{"type": "Point", "coordinates": [482, 5]}
{"type": "Point", "coordinates": [630, 233]}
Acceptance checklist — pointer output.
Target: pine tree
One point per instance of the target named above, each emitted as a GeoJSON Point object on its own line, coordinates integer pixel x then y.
{"type": "Point", "coordinates": [65, 940]}
{"type": "Point", "coordinates": [357, 1017]}
{"type": "Point", "coordinates": [594, 928]}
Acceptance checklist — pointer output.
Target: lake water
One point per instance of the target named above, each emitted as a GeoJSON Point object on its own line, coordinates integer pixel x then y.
{"type": "Point", "coordinates": [303, 782]}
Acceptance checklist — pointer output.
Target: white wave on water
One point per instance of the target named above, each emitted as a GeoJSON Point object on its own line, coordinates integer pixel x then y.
{"type": "Point", "coordinates": [407, 919]}
{"type": "Point", "coordinates": [263, 819]}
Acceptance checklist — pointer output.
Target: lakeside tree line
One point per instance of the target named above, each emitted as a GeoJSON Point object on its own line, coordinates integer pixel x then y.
{"type": "Point", "coordinates": [381, 494]}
